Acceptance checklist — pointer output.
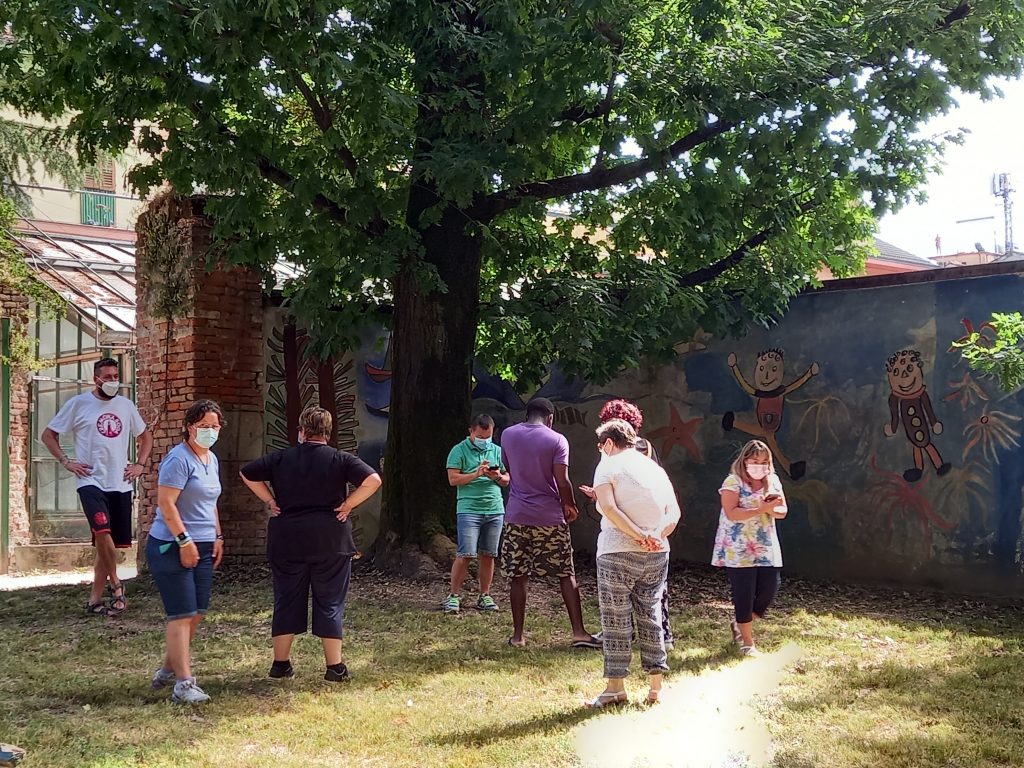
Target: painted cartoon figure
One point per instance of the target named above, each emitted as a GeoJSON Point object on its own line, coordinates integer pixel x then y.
{"type": "Point", "coordinates": [910, 405]}
{"type": "Point", "coordinates": [770, 391]}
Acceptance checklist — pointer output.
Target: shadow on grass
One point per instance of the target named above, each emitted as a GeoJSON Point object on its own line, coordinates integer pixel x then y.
{"type": "Point", "coordinates": [514, 729]}
{"type": "Point", "coordinates": [83, 681]}
{"type": "Point", "coordinates": [75, 689]}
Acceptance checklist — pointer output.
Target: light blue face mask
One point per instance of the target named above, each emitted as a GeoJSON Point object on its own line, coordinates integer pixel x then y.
{"type": "Point", "coordinates": [483, 442]}
{"type": "Point", "coordinates": [207, 436]}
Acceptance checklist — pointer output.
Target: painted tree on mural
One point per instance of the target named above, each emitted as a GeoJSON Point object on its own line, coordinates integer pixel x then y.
{"type": "Point", "coordinates": [408, 154]}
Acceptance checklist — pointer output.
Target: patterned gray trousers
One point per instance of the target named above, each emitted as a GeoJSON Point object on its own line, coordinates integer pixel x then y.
{"type": "Point", "coordinates": [629, 591]}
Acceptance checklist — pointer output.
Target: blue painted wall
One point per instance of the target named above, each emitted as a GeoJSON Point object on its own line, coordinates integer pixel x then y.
{"type": "Point", "coordinates": [859, 510]}
{"type": "Point", "coordinates": [856, 511]}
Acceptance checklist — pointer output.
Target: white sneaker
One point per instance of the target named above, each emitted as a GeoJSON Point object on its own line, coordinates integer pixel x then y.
{"type": "Point", "coordinates": [187, 691]}
{"type": "Point", "coordinates": [162, 678]}
{"type": "Point", "coordinates": [749, 650]}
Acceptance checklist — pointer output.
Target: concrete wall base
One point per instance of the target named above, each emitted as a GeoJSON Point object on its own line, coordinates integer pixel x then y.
{"type": "Point", "coordinates": [59, 557]}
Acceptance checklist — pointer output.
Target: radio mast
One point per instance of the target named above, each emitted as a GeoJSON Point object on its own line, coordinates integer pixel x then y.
{"type": "Point", "coordinates": [1002, 187]}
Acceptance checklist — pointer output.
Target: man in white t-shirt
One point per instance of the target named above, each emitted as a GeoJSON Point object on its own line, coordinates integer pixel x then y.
{"type": "Point", "coordinates": [102, 423]}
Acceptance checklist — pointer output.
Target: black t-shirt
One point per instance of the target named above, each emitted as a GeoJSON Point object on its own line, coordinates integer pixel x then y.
{"type": "Point", "coordinates": [310, 481]}
{"type": "Point", "coordinates": [647, 449]}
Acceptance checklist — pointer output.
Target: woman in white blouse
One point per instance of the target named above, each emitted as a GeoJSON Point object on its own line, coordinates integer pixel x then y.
{"type": "Point", "coordinates": [639, 511]}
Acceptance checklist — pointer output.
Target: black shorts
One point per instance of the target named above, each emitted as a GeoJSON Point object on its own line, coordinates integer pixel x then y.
{"type": "Point", "coordinates": [108, 512]}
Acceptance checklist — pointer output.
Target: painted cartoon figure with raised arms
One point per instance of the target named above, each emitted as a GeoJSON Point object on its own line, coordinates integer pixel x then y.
{"type": "Point", "coordinates": [770, 391]}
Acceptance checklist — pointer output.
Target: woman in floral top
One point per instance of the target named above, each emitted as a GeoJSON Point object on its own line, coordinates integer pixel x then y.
{"type": "Point", "coordinates": [747, 544]}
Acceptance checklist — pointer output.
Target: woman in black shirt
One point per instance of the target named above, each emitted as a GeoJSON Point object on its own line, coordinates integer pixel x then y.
{"type": "Point", "coordinates": [309, 536]}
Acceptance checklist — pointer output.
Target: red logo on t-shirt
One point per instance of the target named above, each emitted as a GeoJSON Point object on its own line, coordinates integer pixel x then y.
{"type": "Point", "coordinates": [109, 425]}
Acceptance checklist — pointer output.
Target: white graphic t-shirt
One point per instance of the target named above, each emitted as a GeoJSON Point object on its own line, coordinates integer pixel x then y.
{"type": "Point", "coordinates": [103, 430]}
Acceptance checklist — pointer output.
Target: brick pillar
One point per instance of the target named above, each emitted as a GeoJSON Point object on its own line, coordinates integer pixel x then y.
{"type": "Point", "coordinates": [215, 352]}
{"type": "Point", "coordinates": [16, 308]}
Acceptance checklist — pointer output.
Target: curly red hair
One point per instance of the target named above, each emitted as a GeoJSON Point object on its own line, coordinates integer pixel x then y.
{"type": "Point", "coordinates": [622, 409]}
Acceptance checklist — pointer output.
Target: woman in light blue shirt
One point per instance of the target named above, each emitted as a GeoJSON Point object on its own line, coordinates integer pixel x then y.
{"type": "Point", "coordinates": [185, 543]}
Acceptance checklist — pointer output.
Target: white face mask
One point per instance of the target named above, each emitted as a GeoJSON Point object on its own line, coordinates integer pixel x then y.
{"type": "Point", "coordinates": [110, 388]}
{"type": "Point", "coordinates": [758, 471]}
{"type": "Point", "coordinates": [207, 436]}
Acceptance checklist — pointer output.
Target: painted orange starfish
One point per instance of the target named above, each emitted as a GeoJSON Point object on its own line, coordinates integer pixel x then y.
{"type": "Point", "coordinates": [678, 432]}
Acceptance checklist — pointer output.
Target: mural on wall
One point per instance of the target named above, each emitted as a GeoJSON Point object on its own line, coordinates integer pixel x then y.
{"type": "Point", "coordinates": [992, 433]}
{"type": "Point", "coordinates": [910, 405]}
{"type": "Point", "coordinates": [932, 496]}
{"type": "Point", "coordinates": [892, 494]}
{"type": "Point", "coordinates": [379, 374]}
{"type": "Point", "coordinates": [770, 391]}
{"type": "Point", "coordinates": [678, 433]}
{"type": "Point", "coordinates": [295, 382]}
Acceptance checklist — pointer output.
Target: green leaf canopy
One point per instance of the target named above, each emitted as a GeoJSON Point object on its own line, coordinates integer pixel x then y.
{"type": "Point", "coordinates": [703, 158]}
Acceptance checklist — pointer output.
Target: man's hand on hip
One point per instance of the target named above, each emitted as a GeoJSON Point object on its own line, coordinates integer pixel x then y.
{"type": "Point", "coordinates": [134, 472]}
{"type": "Point", "coordinates": [78, 468]}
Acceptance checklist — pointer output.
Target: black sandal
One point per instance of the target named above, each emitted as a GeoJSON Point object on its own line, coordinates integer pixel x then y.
{"type": "Point", "coordinates": [118, 599]}
{"type": "Point", "coordinates": [96, 609]}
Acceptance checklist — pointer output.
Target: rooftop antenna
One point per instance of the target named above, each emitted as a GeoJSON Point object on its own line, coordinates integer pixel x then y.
{"type": "Point", "coordinates": [1003, 187]}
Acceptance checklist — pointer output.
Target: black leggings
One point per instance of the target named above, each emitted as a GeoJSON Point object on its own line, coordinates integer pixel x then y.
{"type": "Point", "coordinates": [753, 590]}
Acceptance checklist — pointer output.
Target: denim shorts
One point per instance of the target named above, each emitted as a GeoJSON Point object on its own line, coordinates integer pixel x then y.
{"type": "Point", "coordinates": [478, 534]}
{"type": "Point", "coordinates": [185, 591]}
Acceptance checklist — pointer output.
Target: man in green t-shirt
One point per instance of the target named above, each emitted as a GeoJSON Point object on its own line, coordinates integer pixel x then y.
{"type": "Point", "coordinates": [477, 472]}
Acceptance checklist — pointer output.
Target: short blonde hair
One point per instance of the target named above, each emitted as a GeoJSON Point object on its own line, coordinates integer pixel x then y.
{"type": "Point", "coordinates": [755, 448]}
{"type": "Point", "coordinates": [316, 422]}
{"type": "Point", "coordinates": [619, 431]}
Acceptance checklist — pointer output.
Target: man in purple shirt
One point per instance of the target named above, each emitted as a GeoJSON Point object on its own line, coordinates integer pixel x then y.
{"type": "Point", "coordinates": [540, 507]}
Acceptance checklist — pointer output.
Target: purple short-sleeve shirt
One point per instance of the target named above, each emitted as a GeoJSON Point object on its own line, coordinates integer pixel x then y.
{"type": "Point", "coordinates": [531, 452]}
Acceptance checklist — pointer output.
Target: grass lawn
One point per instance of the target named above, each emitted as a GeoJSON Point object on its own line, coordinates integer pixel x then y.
{"type": "Point", "coordinates": [885, 679]}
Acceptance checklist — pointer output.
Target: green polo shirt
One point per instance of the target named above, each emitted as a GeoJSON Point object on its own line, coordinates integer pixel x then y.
{"type": "Point", "coordinates": [483, 495]}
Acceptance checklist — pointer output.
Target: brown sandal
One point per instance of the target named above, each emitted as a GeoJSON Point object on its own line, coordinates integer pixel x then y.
{"type": "Point", "coordinates": [118, 599]}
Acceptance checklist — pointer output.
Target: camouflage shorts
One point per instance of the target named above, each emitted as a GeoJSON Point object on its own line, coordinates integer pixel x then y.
{"type": "Point", "coordinates": [539, 551]}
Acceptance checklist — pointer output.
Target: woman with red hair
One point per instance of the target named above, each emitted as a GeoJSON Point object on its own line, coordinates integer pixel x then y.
{"type": "Point", "coordinates": [632, 415]}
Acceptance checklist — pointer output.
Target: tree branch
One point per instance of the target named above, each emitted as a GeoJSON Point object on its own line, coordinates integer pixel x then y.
{"type": "Point", "coordinates": [710, 272]}
{"type": "Point", "coordinates": [323, 118]}
{"type": "Point", "coordinates": [280, 177]}
{"type": "Point", "coordinates": [961, 12]}
{"type": "Point", "coordinates": [597, 178]}
{"type": "Point", "coordinates": [606, 104]}
{"type": "Point", "coordinates": [581, 114]}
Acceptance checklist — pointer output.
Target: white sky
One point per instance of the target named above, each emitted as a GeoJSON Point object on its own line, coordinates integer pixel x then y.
{"type": "Point", "coordinates": [995, 144]}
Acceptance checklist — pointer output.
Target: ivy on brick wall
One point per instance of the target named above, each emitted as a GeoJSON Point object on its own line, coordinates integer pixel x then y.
{"type": "Point", "coordinates": [163, 255]}
{"type": "Point", "coordinates": [18, 280]}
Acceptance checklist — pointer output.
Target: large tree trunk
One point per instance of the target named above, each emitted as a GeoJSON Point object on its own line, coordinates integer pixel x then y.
{"type": "Point", "coordinates": [432, 338]}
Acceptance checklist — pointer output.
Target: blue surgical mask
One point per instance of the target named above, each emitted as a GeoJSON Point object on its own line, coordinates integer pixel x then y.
{"type": "Point", "coordinates": [207, 436]}
{"type": "Point", "coordinates": [483, 442]}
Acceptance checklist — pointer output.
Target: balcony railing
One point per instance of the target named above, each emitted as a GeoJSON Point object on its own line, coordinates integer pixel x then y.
{"type": "Point", "coordinates": [98, 209]}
